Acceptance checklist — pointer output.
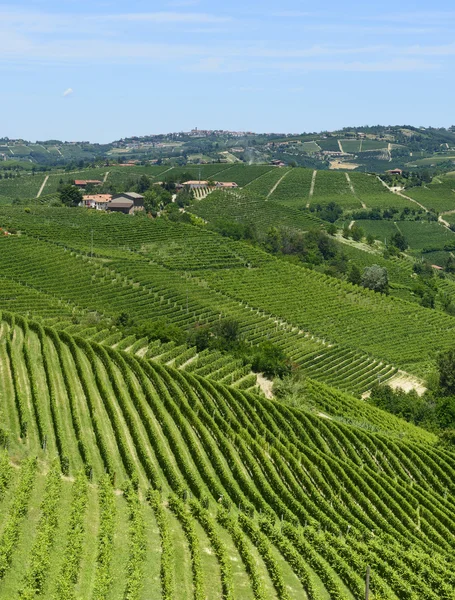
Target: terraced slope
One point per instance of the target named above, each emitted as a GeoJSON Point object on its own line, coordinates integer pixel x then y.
{"type": "Point", "coordinates": [196, 489]}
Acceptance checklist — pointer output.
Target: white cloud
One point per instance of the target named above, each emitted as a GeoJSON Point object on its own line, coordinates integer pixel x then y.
{"type": "Point", "coordinates": [167, 17]}
{"type": "Point", "coordinates": [68, 92]}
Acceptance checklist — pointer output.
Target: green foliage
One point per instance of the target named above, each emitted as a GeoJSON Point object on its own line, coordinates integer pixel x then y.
{"type": "Point", "coordinates": [376, 278]}
{"type": "Point", "coordinates": [69, 195]}
{"type": "Point", "coordinates": [446, 366]}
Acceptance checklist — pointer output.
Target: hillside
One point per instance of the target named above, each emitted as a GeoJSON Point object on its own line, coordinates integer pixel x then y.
{"type": "Point", "coordinates": [146, 455]}
{"type": "Point", "coordinates": [352, 148]}
{"type": "Point", "coordinates": [274, 502]}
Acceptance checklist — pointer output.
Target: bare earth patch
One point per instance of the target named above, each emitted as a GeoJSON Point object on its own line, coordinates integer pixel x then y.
{"type": "Point", "coordinates": [336, 164]}
{"type": "Point", "coordinates": [266, 385]}
{"type": "Point", "coordinates": [407, 382]}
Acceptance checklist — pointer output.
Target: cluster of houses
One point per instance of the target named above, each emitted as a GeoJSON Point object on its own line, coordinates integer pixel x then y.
{"type": "Point", "coordinates": [131, 202]}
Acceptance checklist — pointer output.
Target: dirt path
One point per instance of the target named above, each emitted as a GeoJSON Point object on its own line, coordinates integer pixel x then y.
{"type": "Point", "coordinates": [340, 146]}
{"type": "Point", "coordinates": [105, 177]}
{"type": "Point", "coordinates": [313, 182]}
{"type": "Point", "coordinates": [351, 224]}
{"type": "Point", "coordinates": [42, 186]}
{"type": "Point", "coordinates": [389, 150]}
{"type": "Point", "coordinates": [402, 195]}
{"type": "Point", "coordinates": [277, 184]}
{"type": "Point", "coordinates": [443, 221]}
{"type": "Point", "coordinates": [348, 179]}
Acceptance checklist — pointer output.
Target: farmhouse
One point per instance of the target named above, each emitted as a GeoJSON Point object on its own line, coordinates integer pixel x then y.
{"type": "Point", "coordinates": [82, 183]}
{"type": "Point", "coordinates": [97, 201]}
{"type": "Point", "coordinates": [226, 184]}
{"type": "Point", "coordinates": [395, 172]}
{"type": "Point", "coordinates": [128, 203]}
{"type": "Point", "coordinates": [194, 185]}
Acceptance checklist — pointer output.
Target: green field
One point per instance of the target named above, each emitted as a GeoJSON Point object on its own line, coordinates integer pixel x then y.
{"type": "Point", "coordinates": [355, 146]}
{"type": "Point", "coordinates": [311, 147]}
{"type": "Point", "coordinates": [141, 458]}
{"type": "Point", "coordinates": [422, 235]}
{"type": "Point", "coordinates": [334, 187]}
{"type": "Point", "coordinates": [374, 194]}
{"type": "Point", "coordinates": [294, 188]}
{"type": "Point", "coordinates": [234, 492]}
{"type": "Point", "coordinates": [437, 196]}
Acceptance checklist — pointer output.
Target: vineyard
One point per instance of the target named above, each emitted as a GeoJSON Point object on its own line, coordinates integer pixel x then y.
{"type": "Point", "coordinates": [179, 486]}
{"type": "Point", "coordinates": [138, 465]}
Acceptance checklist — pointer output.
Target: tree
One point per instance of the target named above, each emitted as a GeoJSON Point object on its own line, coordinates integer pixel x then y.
{"type": "Point", "coordinates": [376, 278]}
{"type": "Point", "coordinates": [357, 233]}
{"type": "Point", "coordinates": [399, 241]}
{"type": "Point", "coordinates": [370, 239]}
{"type": "Point", "coordinates": [143, 184]}
{"type": "Point", "coordinates": [70, 195]}
{"type": "Point", "coordinates": [355, 276]}
{"type": "Point", "coordinates": [446, 368]}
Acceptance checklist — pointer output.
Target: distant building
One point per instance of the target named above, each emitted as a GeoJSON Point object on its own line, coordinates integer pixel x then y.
{"type": "Point", "coordinates": [127, 203]}
{"type": "Point", "coordinates": [277, 163]}
{"type": "Point", "coordinates": [395, 172]}
{"type": "Point", "coordinates": [196, 184]}
{"type": "Point", "coordinates": [97, 201]}
{"type": "Point", "coordinates": [226, 184]}
{"type": "Point", "coordinates": [82, 183]}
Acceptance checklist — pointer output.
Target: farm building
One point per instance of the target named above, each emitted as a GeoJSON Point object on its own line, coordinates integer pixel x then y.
{"type": "Point", "coordinates": [82, 183]}
{"type": "Point", "coordinates": [395, 172]}
{"type": "Point", "coordinates": [226, 184]}
{"type": "Point", "coordinates": [97, 201]}
{"type": "Point", "coordinates": [196, 184]}
{"type": "Point", "coordinates": [128, 203]}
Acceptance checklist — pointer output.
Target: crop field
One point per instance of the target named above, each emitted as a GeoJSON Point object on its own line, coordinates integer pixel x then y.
{"type": "Point", "coordinates": [150, 287]}
{"type": "Point", "coordinates": [374, 194]}
{"type": "Point", "coordinates": [135, 468]}
{"type": "Point", "coordinates": [25, 186]}
{"type": "Point", "coordinates": [381, 230]}
{"type": "Point", "coordinates": [329, 144]}
{"type": "Point", "coordinates": [249, 208]}
{"type": "Point", "coordinates": [422, 235]}
{"type": "Point", "coordinates": [179, 486]}
{"type": "Point", "coordinates": [264, 184]}
{"type": "Point", "coordinates": [437, 196]}
{"type": "Point", "coordinates": [294, 189]}
{"type": "Point", "coordinates": [334, 187]}
{"type": "Point", "coordinates": [356, 146]}
{"type": "Point", "coordinates": [243, 174]}
{"type": "Point", "coordinates": [311, 147]}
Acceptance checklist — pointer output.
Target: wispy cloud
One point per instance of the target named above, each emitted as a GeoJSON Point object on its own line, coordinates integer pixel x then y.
{"type": "Point", "coordinates": [396, 65]}
{"type": "Point", "coordinates": [166, 17]}
{"type": "Point", "coordinates": [68, 92]}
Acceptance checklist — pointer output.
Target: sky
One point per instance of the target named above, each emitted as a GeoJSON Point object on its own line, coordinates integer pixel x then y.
{"type": "Point", "coordinates": [102, 70]}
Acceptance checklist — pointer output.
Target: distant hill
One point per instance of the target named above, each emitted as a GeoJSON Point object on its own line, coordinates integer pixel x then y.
{"type": "Point", "coordinates": [376, 148]}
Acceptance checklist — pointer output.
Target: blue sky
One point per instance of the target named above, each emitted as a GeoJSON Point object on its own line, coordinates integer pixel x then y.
{"type": "Point", "coordinates": [101, 70]}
